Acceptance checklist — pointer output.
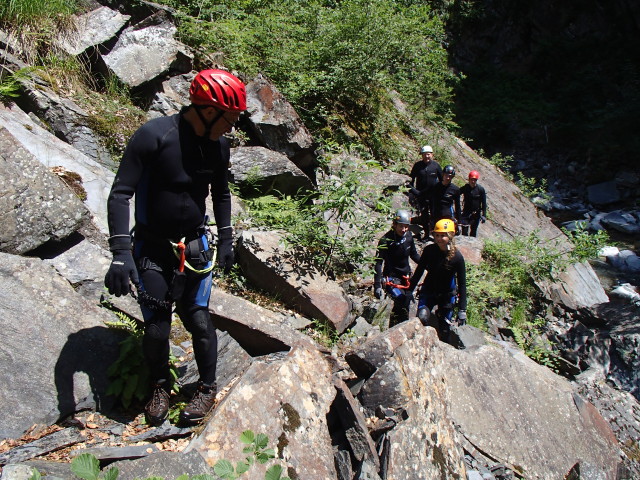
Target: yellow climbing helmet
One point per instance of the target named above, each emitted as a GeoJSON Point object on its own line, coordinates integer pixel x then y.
{"type": "Point", "coordinates": [444, 226]}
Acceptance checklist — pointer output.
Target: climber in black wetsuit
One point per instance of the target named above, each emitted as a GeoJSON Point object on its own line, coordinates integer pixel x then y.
{"type": "Point", "coordinates": [171, 164]}
{"type": "Point", "coordinates": [474, 205]}
{"type": "Point", "coordinates": [392, 269]}
{"type": "Point", "coordinates": [425, 174]}
{"type": "Point", "coordinates": [445, 198]}
{"type": "Point", "coordinates": [445, 281]}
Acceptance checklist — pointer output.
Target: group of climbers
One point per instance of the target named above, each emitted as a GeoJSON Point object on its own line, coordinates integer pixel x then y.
{"type": "Point", "coordinates": [444, 211]}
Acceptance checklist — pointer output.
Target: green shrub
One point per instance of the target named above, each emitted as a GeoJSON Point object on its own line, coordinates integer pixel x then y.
{"type": "Point", "coordinates": [586, 245]}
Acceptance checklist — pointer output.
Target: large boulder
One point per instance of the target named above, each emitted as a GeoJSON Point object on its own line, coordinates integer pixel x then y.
{"type": "Point", "coordinates": [288, 400]}
{"type": "Point", "coordinates": [398, 366]}
{"type": "Point", "coordinates": [55, 350]}
{"type": "Point", "coordinates": [277, 126]}
{"type": "Point", "coordinates": [524, 415]}
{"type": "Point", "coordinates": [269, 172]}
{"type": "Point", "coordinates": [148, 50]}
{"type": "Point", "coordinates": [91, 29]}
{"type": "Point", "coordinates": [35, 206]}
{"type": "Point", "coordinates": [51, 152]}
{"type": "Point", "coordinates": [269, 265]}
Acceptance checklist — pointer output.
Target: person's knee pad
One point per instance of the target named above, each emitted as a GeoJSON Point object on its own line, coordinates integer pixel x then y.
{"type": "Point", "coordinates": [156, 332]}
{"type": "Point", "coordinates": [423, 315]}
{"type": "Point", "coordinates": [201, 328]}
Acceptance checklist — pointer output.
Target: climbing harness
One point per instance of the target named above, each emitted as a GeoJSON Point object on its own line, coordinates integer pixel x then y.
{"type": "Point", "coordinates": [396, 285]}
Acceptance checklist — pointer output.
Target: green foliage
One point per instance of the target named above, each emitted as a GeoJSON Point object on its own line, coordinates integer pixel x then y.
{"type": "Point", "coordinates": [504, 284]}
{"type": "Point", "coordinates": [336, 62]}
{"type": "Point", "coordinates": [10, 84]}
{"type": "Point", "coordinates": [256, 449]}
{"type": "Point", "coordinates": [586, 245]}
{"type": "Point", "coordinates": [87, 467]}
{"type": "Point", "coordinates": [129, 373]}
{"type": "Point", "coordinates": [33, 11]}
{"type": "Point", "coordinates": [342, 246]}
{"type": "Point", "coordinates": [503, 162]}
{"type": "Point", "coordinates": [532, 187]}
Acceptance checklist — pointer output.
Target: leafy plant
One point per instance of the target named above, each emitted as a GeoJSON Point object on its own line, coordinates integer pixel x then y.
{"type": "Point", "coordinates": [87, 467]}
{"type": "Point", "coordinates": [10, 86]}
{"type": "Point", "coordinates": [129, 374]}
{"type": "Point", "coordinates": [532, 187]}
{"type": "Point", "coordinates": [586, 245]}
{"type": "Point", "coordinates": [256, 449]}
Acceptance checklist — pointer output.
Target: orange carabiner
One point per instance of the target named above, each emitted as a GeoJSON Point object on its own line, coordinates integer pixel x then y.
{"type": "Point", "coordinates": [181, 248]}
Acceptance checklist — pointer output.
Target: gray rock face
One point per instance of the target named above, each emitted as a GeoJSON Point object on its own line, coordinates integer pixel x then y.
{"type": "Point", "coordinates": [52, 152]}
{"type": "Point", "coordinates": [277, 125]}
{"type": "Point", "coordinates": [525, 416]}
{"type": "Point", "coordinates": [267, 263]}
{"type": "Point", "coordinates": [91, 29]}
{"type": "Point", "coordinates": [147, 50]}
{"type": "Point", "coordinates": [56, 348]}
{"type": "Point", "coordinates": [286, 399]}
{"type": "Point", "coordinates": [35, 206]}
{"type": "Point", "coordinates": [603, 193]}
{"type": "Point", "coordinates": [577, 287]}
{"type": "Point", "coordinates": [258, 330]}
{"type": "Point", "coordinates": [268, 171]}
{"type": "Point", "coordinates": [402, 372]}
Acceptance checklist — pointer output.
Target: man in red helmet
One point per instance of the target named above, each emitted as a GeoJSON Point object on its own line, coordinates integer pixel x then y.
{"type": "Point", "coordinates": [474, 205]}
{"type": "Point", "coordinates": [171, 164]}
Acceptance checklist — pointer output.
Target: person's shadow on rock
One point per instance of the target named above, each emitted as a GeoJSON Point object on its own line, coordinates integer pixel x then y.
{"type": "Point", "coordinates": [81, 370]}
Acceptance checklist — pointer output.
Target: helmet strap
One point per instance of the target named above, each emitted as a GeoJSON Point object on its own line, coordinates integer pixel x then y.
{"type": "Point", "coordinates": [207, 125]}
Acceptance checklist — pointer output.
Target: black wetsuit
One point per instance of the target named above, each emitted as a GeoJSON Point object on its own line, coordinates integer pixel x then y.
{"type": "Point", "coordinates": [424, 176]}
{"type": "Point", "coordinates": [445, 202]}
{"type": "Point", "coordinates": [392, 262]}
{"type": "Point", "coordinates": [171, 171]}
{"type": "Point", "coordinates": [446, 281]}
{"type": "Point", "coordinates": [474, 206]}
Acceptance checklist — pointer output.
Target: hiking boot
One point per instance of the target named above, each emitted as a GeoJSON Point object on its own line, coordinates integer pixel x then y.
{"type": "Point", "coordinates": [157, 409]}
{"type": "Point", "coordinates": [201, 403]}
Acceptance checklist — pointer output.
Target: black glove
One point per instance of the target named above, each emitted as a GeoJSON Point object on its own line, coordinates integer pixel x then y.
{"type": "Point", "coordinates": [483, 218]}
{"type": "Point", "coordinates": [379, 293]}
{"type": "Point", "coordinates": [462, 317]}
{"type": "Point", "coordinates": [415, 191]}
{"type": "Point", "coordinates": [122, 269]}
{"type": "Point", "coordinates": [226, 256]}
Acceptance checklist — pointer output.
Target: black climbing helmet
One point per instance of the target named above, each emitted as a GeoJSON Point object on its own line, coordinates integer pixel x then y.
{"type": "Point", "coordinates": [449, 170]}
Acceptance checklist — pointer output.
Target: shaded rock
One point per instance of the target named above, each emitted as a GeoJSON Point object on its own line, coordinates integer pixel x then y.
{"type": "Point", "coordinates": [35, 206]}
{"type": "Point", "coordinates": [117, 453]}
{"type": "Point", "coordinates": [54, 362]}
{"type": "Point", "coordinates": [622, 222]}
{"type": "Point", "coordinates": [233, 360]}
{"type": "Point", "coordinates": [523, 415]}
{"type": "Point", "coordinates": [167, 465]}
{"type": "Point", "coordinates": [277, 126]}
{"type": "Point", "coordinates": [91, 29]}
{"type": "Point", "coordinates": [259, 331]}
{"type": "Point", "coordinates": [148, 50]}
{"type": "Point", "coordinates": [173, 95]}
{"type": "Point", "coordinates": [576, 287]}
{"type": "Point", "coordinates": [286, 399]}
{"type": "Point", "coordinates": [46, 444]}
{"type": "Point", "coordinates": [259, 169]}
{"type": "Point", "coordinates": [267, 263]}
{"type": "Point", "coordinates": [66, 119]}
{"type": "Point", "coordinates": [354, 426]}
{"type": "Point", "coordinates": [52, 152]}
{"type": "Point", "coordinates": [603, 193]}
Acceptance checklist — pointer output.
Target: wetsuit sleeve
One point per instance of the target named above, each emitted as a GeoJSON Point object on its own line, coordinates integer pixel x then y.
{"type": "Point", "coordinates": [413, 252]}
{"type": "Point", "coordinates": [415, 279]}
{"type": "Point", "coordinates": [220, 193]}
{"type": "Point", "coordinates": [461, 273]}
{"type": "Point", "coordinates": [439, 173]}
{"type": "Point", "coordinates": [141, 145]}
{"type": "Point", "coordinates": [483, 202]}
{"type": "Point", "coordinates": [381, 257]}
{"type": "Point", "coordinates": [457, 204]}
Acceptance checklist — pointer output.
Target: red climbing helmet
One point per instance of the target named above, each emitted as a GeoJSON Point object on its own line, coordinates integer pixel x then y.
{"type": "Point", "coordinates": [474, 174]}
{"type": "Point", "coordinates": [220, 89]}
